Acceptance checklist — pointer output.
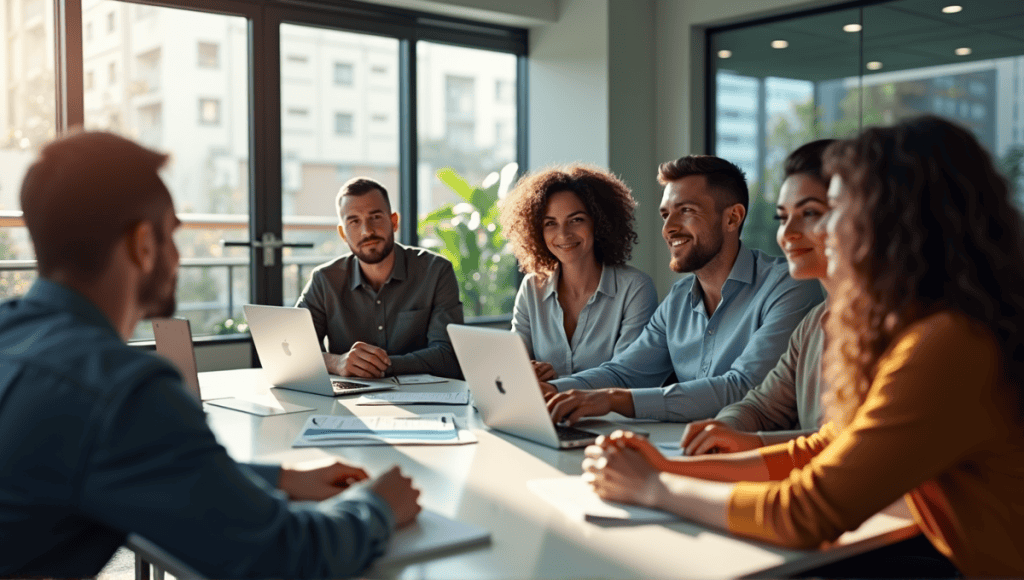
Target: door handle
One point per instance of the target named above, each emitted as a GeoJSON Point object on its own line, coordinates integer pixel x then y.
{"type": "Point", "coordinates": [269, 244]}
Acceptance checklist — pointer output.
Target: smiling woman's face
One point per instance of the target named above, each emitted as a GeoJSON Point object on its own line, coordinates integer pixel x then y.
{"type": "Point", "coordinates": [568, 228]}
{"type": "Point", "coordinates": [802, 205]}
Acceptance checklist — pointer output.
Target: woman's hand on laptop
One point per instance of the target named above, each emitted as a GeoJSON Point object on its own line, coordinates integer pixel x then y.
{"type": "Point", "coordinates": [362, 360]}
{"type": "Point", "coordinates": [397, 490]}
{"type": "Point", "coordinates": [320, 482]}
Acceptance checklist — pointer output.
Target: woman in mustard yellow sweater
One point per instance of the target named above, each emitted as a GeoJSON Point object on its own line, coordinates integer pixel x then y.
{"type": "Point", "coordinates": [925, 364]}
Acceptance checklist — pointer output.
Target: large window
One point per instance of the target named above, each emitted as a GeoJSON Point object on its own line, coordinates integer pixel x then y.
{"type": "Point", "coordinates": [266, 109]}
{"type": "Point", "coordinates": [27, 121]}
{"type": "Point", "coordinates": [468, 125]}
{"type": "Point", "coordinates": [780, 83]}
{"type": "Point", "coordinates": [194, 109]}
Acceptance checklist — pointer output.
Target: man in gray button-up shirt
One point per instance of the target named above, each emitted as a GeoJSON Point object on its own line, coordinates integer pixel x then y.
{"type": "Point", "coordinates": [384, 308]}
{"type": "Point", "coordinates": [720, 331]}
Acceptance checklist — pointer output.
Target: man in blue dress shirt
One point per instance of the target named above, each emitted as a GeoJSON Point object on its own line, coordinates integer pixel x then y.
{"type": "Point", "coordinates": [101, 440]}
{"type": "Point", "coordinates": [720, 330]}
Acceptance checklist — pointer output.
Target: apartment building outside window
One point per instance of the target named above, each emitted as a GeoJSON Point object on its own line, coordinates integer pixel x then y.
{"type": "Point", "coordinates": [137, 82]}
{"type": "Point", "coordinates": [209, 111]}
{"type": "Point", "coordinates": [209, 55]}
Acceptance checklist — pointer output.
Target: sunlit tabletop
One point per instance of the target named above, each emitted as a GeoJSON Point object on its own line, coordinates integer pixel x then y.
{"type": "Point", "coordinates": [486, 484]}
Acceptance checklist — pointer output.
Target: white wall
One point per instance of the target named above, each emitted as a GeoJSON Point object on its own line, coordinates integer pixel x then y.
{"type": "Point", "coordinates": [568, 86]}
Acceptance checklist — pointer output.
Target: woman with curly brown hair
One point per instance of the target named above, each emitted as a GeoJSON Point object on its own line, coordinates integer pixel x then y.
{"type": "Point", "coordinates": [925, 364]}
{"type": "Point", "coordinates": [571, 228]}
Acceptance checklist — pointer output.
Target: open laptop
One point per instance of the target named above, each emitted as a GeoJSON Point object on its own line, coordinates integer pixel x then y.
{"type": "Point", "coordinates": [173, 338]}
{"type": "Point", "coordinates": [505, 389]}
{"type": "Point", "coordinates": [286, 342]}
{"type": "Point", "coordinates": [174, 342]}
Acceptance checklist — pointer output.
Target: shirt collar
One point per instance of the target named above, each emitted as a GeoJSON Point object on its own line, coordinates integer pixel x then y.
{"type": "Point", "coordinates": [60, 297]}
{"type": "Point", "coordinates": [398, 270]}
{"type": "Point", "coordinates": [551, 284]}
{"type": "Point", "coordinates": [742, 272]}
{"type": "Point", "coordinates": [607, 285]}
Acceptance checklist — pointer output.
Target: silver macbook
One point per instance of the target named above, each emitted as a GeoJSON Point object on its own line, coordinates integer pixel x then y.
{"type": "Point", "coordinates": [173, 338]}
{"type": "Point", "coordinates": [505, 389]}
{"type": "Point", "coordinates": [286, 342]}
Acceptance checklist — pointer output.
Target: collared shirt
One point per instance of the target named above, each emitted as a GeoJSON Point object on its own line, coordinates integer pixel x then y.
{"type": "Point", "coordinates": [716, 359]}
{"type": "Point", "coordinates": [101, 440]}
{"type": "Point", "coordinates": [408, 317]}
{"type": "Point", "coordinates": [787, 403]}
{"type": "Point", "coordinates": [610, 321]}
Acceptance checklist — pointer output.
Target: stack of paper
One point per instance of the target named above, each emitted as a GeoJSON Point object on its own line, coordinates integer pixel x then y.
{"type": "Point", "coordinates": [334, 430]}
{"type": "Point", "coordinates": [406, 398]}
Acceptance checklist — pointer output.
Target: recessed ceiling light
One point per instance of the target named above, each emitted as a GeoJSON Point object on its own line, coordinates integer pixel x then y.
{"type": "Point", "coordinates": [724, 53]}
{"type": "Point", "coordinates": [952, 9]}
{"type": "Point", "coordinates": [779, 44]}
{"type": "Point", "coordinates": [962, 51]}
{"type": "Point", "coordinates": [874, 65]}
{"type": "Point", "coordinates": [852, 28]}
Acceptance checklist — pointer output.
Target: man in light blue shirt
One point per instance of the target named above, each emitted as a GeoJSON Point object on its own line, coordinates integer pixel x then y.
{"type": "Point", "coordinates": [720, 330]}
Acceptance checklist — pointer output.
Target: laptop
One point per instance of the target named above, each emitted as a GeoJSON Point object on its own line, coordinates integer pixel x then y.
{"type": "Point", "coordinates": [286, 342]}
{"type": "Point", "coordinates": [505, 389]}
{"type": "Point", "coordinates": [174, 342]}
{"type": "Point", "coordinates": [173, 338]}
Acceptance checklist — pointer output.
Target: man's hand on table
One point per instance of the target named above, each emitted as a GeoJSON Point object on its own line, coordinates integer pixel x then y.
{"type": "Point", "coordinates": [573, 405]}
{"type": "Point", "coordinates": [362, 360]}
{"type": "Point", "coordinates": [318, 483]}
{"type": "Point", "coordinates": [397, 490]}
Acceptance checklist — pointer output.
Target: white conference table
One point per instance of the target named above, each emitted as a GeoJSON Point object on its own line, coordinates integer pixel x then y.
{"type": "Point", "coordinates": [486, 484]}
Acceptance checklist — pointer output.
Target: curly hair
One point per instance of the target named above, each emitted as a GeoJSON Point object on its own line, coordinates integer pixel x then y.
{"type": "Point", "coordinates": [935, 230]}
{"type": "Point", "coordinates": [607, 200]}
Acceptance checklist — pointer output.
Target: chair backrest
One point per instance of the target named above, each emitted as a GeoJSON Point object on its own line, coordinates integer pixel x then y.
{"type": "Point", "coordinates": [150, 553]}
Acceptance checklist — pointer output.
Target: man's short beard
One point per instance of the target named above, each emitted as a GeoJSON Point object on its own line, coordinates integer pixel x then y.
{"type": "Point", "coordinates": [700, 256]}
{"type": "Point", "coordinates": [154, 295]}
{"type": "Point", "coordinates": [373, 257]}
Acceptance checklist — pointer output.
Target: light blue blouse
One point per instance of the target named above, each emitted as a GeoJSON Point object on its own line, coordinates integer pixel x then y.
{"type": "Point", "coordinates": [610, 321]}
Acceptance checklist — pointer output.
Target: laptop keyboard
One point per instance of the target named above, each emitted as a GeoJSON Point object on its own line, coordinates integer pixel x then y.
{"type": "Point", "coordinates": [571, 433]}
{"type": "Point", "coordinates": [345, 386]}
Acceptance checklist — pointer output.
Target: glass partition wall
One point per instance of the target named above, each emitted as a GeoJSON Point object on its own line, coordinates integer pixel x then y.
{"type": "Point", "coordinates": [776, 84]}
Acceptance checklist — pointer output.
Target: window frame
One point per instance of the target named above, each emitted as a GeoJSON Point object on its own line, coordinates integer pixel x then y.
{"type": "Point", "coordinates": [265, 135]}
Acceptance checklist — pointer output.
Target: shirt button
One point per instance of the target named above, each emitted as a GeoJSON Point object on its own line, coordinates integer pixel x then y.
{"type": "Point", "coordinates": [711, 331]}
{"type": "Point", "coordinates": [380, 328]}
{"type": "Point", "coordinates": [378, 302]}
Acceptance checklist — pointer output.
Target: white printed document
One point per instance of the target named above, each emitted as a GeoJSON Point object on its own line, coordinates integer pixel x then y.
{"type": "Point", "coordinates": [420, 379]}
{"type": "Point", "coordinates": [577, 500]}
{"type": "Point", "coordinates": [404, 398]}
{"type": "Point", "coordinates": [336, 430]}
